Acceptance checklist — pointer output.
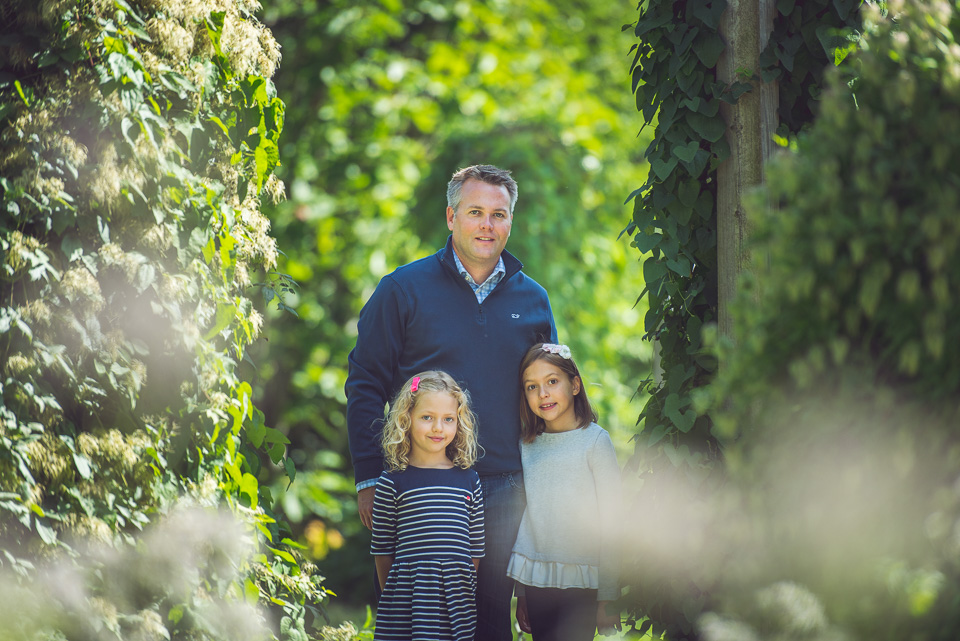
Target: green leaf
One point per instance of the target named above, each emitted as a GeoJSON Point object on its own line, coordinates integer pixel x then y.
{"type": "Point", "coordinates": [226, 312]}
{"type": "Point", "coordinates": [83, 466]}
{"type": "Point", "coordinates": [686, 152]}
{"type": "Point", "coordinates": [214, 26]}
{"type": "Point", "coordinates": [276, 452]}
{"type": "Point", "coordinates": [708, 49]}
{"type": "Point", "coordinates": [688, 191]}
{"type": "Point", "coordinates": [20, 92]}
{"type": "Point", "coordinates": [275, 436]}
{"type": "Point", "coordinates": [255, 429]}
{"type": "Point", "coordinates": [47, 534]}
{"type": "Point", "coordinates": [653, 270]}
{"type": "Point", "coordinates": [283, 554]}
{"type": "Point", "coordinates": [248, 485]}
{"type": "Point", "coordinates": [663, 168]}
{"type": "Point", "coordinates": [267, 156]}
{"type": "Point", "coordinates": [658, 433]}
{"type": "Point", "coordinates": [47, 58]}
{"type": "Point", "coordinates": [709, 11]}
{"type": "Point", "coordinates": [223, 126]}
{"type": "Point", "coordinates": [645, 242]}
{"type": "Point", "coordinates": [680, 265]}
{"type": "Point", "coordinates": [646, 24]}
{"type": "Point", "coordinates": [711, 129]}
{"type": "Point", "coordinates": [251, 592]}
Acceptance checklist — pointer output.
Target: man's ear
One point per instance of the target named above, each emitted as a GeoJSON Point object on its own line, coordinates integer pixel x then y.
{"type": "Point", "coordinates": [450, 215]}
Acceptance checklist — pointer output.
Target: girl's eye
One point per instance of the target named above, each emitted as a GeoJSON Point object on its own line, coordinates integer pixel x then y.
{"type": "Point", "coordinates": [450, 419]}
{"type": "Point", "coordinates": [553, 381]}
{"type": "Point", "coordinates": [425, 417]}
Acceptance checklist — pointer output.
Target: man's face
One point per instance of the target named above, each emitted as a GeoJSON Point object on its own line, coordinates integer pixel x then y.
{"type": "Point", "coordinates": [481, 225]}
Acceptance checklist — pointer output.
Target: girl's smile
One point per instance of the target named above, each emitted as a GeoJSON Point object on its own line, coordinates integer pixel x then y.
{"type": "Point", "coordinates": [549, 393]}
{"type": "Point", "coordinates": [433, 426]}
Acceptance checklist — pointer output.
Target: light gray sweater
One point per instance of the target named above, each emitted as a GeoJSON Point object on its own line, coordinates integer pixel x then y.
{"type": "Point", "coordinates": [569, 533]}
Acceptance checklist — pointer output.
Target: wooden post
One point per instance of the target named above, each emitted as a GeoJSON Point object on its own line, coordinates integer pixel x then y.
{"type": "Point", "coordinates": [745, 28]}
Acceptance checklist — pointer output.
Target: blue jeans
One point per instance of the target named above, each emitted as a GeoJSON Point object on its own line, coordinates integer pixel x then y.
{"type": "Point", "coordinates": [504, 501]}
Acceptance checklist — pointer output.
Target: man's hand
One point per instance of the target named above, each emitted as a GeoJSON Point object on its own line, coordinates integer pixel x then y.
{"type": "Point", "coordinates": [606, 623]}
{"type": "Point", "coordinates": [365, 505]}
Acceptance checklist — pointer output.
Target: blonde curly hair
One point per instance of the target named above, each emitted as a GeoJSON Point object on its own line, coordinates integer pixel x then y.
{"type": "Point", "coordinates": [395, 440]}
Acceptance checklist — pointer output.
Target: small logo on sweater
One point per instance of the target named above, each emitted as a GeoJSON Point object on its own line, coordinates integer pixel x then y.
{"type": "Point", "coordinates": [514, 315]}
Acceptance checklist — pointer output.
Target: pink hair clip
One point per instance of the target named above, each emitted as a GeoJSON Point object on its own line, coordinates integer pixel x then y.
{"type": "Point", "coordinates": [415, 383]}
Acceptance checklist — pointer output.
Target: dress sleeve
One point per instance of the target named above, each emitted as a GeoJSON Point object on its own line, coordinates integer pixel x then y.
{"type": "Point", "coordinates": [476, 520]}
{"type": "Point", "coordinates": [372, 367]}
{"type": "Point", "coordinates": [606, 476]}
{"type": "Point", "coordinates": [384, 541]}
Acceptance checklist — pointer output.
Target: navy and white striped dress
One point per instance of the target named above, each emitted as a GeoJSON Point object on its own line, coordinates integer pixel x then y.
{"type": "Point", "coordinates": [431, 522]}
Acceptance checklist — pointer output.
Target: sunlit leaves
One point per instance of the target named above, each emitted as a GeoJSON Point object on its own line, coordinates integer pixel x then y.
{"type": "Point", "coordinates": [129, 245]}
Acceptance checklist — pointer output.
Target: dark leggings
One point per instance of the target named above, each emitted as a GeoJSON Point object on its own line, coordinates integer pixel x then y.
{"type": "Point", "coordinates": [562, 615]}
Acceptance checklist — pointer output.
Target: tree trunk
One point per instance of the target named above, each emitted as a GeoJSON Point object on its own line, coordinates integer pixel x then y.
{"type": "Point", "coordinates": [745, 28]}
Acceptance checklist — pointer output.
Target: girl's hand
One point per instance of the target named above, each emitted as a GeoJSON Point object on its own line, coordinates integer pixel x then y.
{"type": "Point", "coordinates": [606, 623]}
{"type": "Point", "coordinates": [522, 619]}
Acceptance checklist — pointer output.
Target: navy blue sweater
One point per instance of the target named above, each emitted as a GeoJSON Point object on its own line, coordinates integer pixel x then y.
{"type": "Point", "coordinates": [425, 316]}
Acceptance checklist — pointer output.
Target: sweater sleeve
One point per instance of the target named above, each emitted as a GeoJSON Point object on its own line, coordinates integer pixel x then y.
{"type": "Point", "coordinates": [606, 474]}
{"type": "Point", "coordinates": [372, 368]}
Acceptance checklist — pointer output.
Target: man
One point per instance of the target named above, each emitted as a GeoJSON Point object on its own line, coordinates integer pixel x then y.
{"type": "Point", "coordinates": [471, 311]}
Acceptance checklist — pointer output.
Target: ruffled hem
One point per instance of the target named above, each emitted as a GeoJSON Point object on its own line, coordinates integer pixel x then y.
{"type": "Point", "coordinates": [552, 574]}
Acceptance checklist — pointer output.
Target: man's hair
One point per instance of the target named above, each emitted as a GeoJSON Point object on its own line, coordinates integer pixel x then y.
{"type": "Point", "coordinates": [395, 439]}
{"type": "Point", "coordinates": [485, 174]}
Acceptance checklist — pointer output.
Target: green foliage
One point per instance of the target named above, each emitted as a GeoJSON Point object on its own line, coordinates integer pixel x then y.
{"type": "Point", "coordinates": [674, 228]}
{"type": "Point", "coordinates": [388, 99]}
{"type": "Point", "coordinates": [873, 282]}
{"type": "Point", "coordinates": [840, 398]}
{"type": "Point", "coordinates": [137, 140]}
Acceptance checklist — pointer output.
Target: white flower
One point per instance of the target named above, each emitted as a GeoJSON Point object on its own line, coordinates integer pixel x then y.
{"type": "Point", "coordinates": [561, 350]}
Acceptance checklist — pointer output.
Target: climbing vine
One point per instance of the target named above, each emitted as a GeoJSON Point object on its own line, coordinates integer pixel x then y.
{"type": "Point", "coordinates": [674, 227]}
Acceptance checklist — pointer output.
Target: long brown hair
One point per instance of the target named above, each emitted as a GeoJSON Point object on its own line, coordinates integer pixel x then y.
{"type": "Point", "coordinates": [532, 425]}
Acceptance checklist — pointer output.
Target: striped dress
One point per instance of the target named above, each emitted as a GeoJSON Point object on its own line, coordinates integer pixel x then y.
{"type": "Point", "coordinates": [431, 522]}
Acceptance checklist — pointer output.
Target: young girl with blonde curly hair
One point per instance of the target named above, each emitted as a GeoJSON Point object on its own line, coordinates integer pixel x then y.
{"type": "Point", "coordinates": [428, 534]}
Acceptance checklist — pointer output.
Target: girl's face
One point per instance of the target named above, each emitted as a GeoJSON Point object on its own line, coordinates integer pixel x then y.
{"type": "Point", "coordinates": [549, 393]}
{"type": "Point", "coordinates": [433, 426]}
